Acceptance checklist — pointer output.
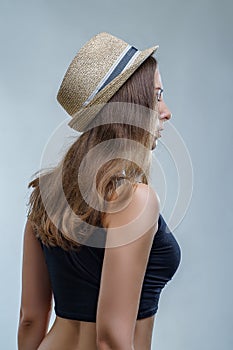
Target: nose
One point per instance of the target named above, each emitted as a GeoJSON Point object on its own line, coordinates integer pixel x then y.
{"type": "Point", "coordinates": [164, 112]}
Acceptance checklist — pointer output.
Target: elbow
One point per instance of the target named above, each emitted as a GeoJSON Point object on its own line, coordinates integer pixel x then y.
{"type": "Point", "coordinates": [103, 345]}
{"type": "Point", "coordinates": [26, 324]}
{"type": "Point", "coordinates": [25, 321]}
{"type": "Point", "coordinates": [114, 343]}
{"type": "Point", "coordinates": [31, 330]}
{"type": "Point", "coordinates": [114, 334]}
{"type": "Point", "coordinates": [28, 319]}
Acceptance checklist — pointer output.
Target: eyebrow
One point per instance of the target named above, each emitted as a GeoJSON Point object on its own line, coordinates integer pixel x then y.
{"type": "Point", "coordinates": [159, 88]}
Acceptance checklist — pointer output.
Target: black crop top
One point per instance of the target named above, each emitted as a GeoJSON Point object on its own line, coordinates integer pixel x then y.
{"type": "Point", "coordinates": [75, 276]}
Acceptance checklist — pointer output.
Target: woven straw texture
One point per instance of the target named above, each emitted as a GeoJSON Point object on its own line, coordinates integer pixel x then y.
{"type": "Point", "coordinates": [85, 72]}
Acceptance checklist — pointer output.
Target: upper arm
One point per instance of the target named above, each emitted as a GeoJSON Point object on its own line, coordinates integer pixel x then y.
{"type": "Point", "coordinates": [124, 265]}
{"type": "Point", "coordinates": [36, 290]}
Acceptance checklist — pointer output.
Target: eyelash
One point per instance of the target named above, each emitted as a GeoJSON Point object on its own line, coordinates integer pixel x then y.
{"type": "Point", "coordinates": [159, 95]}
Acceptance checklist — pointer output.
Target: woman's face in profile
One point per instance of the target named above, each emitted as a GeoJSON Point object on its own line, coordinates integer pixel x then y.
{"type": "Point", "coordinates": [164, 112]}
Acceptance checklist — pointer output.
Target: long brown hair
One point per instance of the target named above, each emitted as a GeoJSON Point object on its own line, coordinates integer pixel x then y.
{"type": "Point", "coordinates": [58, 206]}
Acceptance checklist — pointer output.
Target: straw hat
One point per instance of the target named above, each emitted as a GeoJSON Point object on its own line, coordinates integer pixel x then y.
{"type": "Point", "coordinates": [95, 74]}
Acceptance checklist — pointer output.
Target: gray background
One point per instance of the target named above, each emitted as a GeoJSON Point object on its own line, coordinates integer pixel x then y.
{"type": "Point", "coordinates": [38, 41]}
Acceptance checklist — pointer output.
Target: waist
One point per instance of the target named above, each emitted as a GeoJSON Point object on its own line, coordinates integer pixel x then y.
{"type": "Point", "coordinates": [70, 334]}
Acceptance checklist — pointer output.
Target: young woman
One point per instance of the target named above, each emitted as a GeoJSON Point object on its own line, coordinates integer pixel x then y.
{"type": "Point", "coordinates": [94, 239]}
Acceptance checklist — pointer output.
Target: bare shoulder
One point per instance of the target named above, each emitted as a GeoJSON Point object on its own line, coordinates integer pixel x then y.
{"type": "Point", "coordinates": [138, 216]}
{"type": "Point", "coordinates": [147, 191]}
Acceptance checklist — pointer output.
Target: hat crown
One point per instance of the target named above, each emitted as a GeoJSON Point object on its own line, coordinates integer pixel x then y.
{"type": "Point", "coordinates": [90, 65]}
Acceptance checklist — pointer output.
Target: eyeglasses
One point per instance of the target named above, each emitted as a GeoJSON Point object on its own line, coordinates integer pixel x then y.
{"type": "Point", "coordinates": [159, 94]}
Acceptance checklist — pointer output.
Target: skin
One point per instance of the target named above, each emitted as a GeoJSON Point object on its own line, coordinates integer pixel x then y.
{"type": "Point", "coordinates": [164, 112]}
{"type": "Point", "coordinates": [36, 299]}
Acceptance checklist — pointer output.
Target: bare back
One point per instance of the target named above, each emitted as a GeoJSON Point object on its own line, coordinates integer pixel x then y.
{"type": "Point", "coordinates": [79, 335]}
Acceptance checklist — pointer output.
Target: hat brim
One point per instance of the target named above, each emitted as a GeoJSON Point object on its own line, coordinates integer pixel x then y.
{"type": "Point", "coordinates": [85, 115]}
